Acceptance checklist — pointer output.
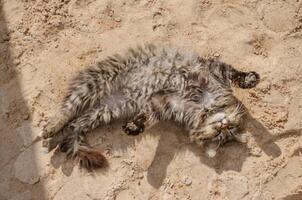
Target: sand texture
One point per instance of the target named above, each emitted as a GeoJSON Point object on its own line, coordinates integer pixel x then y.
{"type": "Point", "coordinates": [44, 43]}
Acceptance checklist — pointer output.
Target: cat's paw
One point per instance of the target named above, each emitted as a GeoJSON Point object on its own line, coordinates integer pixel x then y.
{"type": "Point", "coordinates": [132, 128]}
{"type": "Point", "coordinates": [53, 126]}
{"type": "Point", "coordinates": [251, 79]}
{"type": "Point", "coordinates": [49, 129]}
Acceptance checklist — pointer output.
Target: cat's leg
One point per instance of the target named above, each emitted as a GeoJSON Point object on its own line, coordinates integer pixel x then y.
{"type": "Point", "coordinates": [73, 142]}
{"type": "Point", "coordinates": [75, 146]}
{"type": "Point", "coordinates": [101, 114]}
{"type": "Point", "coordinates": [149, 115]}
{"type": "Point", "coordinates": [226, 73]}
{"type": "Point", "coordinates": [83, 92]}
{"type": "Point", "coordinates": [89, 120]}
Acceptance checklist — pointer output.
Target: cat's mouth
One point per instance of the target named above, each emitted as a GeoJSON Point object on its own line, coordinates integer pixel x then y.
{"type": "Point", "coordinates": [224, 124]}
{"type": "Point", "coordinates": [224, 135]}
{"type": "Point", "coordinates": [226, 132]}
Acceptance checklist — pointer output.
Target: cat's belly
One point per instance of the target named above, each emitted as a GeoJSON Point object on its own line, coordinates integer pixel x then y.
{"type": "Point", "coordinates": [141, 86]}
{"type": "Point", "coordinates": [208, 99]}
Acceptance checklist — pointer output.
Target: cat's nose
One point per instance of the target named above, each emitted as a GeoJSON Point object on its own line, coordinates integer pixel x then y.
{"type": "Point", "coordinates": [224, 123]}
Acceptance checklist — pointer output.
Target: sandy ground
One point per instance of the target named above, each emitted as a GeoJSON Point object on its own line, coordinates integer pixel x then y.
{"type": "Point", "coordinates": [43, 43]}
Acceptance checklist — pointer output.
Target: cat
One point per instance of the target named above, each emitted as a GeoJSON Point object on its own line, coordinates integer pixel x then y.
{"type": "Point", "coordinates": [149, 84]}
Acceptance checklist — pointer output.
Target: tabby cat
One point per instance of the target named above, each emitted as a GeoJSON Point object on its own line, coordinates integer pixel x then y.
{"type": "Point", "coordinates": [146, 85]}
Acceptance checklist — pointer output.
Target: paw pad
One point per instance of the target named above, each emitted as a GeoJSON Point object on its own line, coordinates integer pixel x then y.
{"type": "Point", "coordinates": [251, 80]}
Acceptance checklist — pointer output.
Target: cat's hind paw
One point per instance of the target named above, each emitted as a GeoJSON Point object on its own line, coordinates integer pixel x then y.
{"type": "Point", "coordinates": [51, 128]}
{"type": "Point", "coordinates": [49, 144]}
{"type": "Point", "coordinates": [48, 131]}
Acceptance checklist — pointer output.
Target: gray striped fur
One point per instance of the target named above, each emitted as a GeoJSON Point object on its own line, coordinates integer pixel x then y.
{"type": "Point", "coordinates": [149, 84]}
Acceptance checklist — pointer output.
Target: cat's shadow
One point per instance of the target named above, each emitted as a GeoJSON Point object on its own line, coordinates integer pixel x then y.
{"type": "Point", "coordinates": [230, 157]}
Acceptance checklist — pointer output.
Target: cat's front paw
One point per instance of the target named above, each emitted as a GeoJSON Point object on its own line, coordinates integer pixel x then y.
{"type": "Point", "coordinates": [251, 79]}
{"type": "Point", "coordinates": [132, 128]}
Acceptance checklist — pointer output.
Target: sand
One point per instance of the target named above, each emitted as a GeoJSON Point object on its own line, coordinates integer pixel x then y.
{"type": "Point", "coordinates": [44, 43]}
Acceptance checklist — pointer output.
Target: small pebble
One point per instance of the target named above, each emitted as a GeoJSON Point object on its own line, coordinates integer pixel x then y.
{"type": "Point", "coordinates": [117, 19]}
{"type": "Point", "coordinates": [17, 62]}
{"type": "Point", "coordinates": [26, 116]}
{"type": "Point", "coordinates": [141, 176]}
{"type": "Point", "coordinates": [216, 54]}
{"type": "Point", "coordinates": [45, 150]}
{"type": "Point", "coordinates": [187, 181]}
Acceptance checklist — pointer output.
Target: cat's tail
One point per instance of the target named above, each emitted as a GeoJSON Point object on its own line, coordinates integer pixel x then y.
{"type": "Point", "coordinates": [89, 158]}
{"type": "Point", "coordinates": [78, 149]}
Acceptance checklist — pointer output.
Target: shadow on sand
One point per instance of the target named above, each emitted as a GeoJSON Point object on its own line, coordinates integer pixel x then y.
{"type": "Point", "coordinates": [13, 127]}
{"type": "Point", "coordinates": [229, 157]}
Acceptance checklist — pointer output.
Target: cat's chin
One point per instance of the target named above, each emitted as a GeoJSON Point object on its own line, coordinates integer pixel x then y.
{"type": "Point", "coordinates": [212, 148]}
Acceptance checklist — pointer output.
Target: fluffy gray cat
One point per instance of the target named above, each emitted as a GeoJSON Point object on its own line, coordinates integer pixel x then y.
{"type": "Point", "coordinates": [146, 85]}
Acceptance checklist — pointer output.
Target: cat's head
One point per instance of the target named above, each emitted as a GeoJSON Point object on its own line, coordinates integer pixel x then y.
{"type": "Point", "coordinates": [221, 126]}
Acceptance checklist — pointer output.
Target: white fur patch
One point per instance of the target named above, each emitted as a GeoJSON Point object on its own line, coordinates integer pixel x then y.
{"type": "Point", "coordinates": [209, 99]}
{"type": "Point", "coordinates": [211, 153]}
{"type": "Point", "coordinates": [219, 116]}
